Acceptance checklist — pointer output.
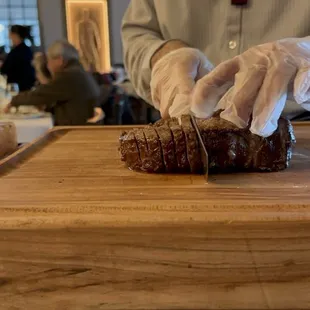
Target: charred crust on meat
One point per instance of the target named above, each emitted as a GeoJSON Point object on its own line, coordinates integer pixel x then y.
{"type": "Point", "coordinates": [173, 147]}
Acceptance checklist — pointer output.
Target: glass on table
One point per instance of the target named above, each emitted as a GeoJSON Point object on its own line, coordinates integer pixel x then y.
{"type": "Point", "coordinates": [11, 90]}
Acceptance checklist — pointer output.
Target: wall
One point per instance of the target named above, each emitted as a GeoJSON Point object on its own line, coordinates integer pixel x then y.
{"type": "Point", "coordinates": [52, 20]}
{"type": "Point", "coordinates": [53, 27]}
{"type": "Point", "coordinates": [117, 9]}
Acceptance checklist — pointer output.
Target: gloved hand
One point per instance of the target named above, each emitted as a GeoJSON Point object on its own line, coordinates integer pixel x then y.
{"type": "Point", "coordinates": [261, 78]}
{"type": "Point", "coordinates": [173, 79]}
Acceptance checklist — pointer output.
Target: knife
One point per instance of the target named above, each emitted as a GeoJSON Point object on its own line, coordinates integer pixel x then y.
{"type": "Point", "coordinates": [203, 151]}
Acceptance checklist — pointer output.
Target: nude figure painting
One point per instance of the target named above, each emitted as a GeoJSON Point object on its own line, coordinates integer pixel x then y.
{"type": "Point", "coordinates": [87, 25]}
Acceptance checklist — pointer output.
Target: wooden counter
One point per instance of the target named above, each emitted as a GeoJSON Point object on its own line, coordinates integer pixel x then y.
{"type": "Point", "coordinates": [80, 231]}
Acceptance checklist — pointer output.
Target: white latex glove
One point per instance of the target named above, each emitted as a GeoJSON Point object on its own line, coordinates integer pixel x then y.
{"type": "Point", "coordinates": [173, 79]}
{"type": "Point", "coordinates": [261, 78]}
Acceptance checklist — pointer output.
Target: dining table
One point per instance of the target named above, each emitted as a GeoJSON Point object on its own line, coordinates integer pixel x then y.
{"type": "Point", "coordinates": [29, 122]}
{"type": "Point", "coordinates": [29, 128]}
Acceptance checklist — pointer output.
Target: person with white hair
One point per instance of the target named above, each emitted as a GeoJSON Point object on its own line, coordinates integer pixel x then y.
{"type": "Point", "coordinates": [72, 93]}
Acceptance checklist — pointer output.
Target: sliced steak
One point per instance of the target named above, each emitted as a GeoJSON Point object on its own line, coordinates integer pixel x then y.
{"type": "Point", "coordinates": [273, 153]}
{"type": "Point", "coordinates": [160, 122]}
{"type": "Point", "coordinates": [229, 148]}
{"type": "Point", "coordinates": [179, 145]}
{"type": "Point", "coordinates": [154, 150]}
{"type": "Point", "coordinates": [167, 146]}
{"type": "Point", "coordinates": [192, 146]}
{"type": "Point", "coordinates": [143, 150]}
{"type": "Point", "coordinates": [129, 150]}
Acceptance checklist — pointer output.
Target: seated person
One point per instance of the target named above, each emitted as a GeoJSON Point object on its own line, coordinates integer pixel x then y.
{"type": "Point", "coordinates": [71, 95]}
{"type": "Point", "coordinates": [44, 76]}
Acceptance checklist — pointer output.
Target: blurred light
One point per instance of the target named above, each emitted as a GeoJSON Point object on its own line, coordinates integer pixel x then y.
{"type": "Point", "coordinates": [2, 28]}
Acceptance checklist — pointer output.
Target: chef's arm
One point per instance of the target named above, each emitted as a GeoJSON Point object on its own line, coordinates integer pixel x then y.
{"type": "Point", "coordinates": [143, 44]}
{"type": "Point", "coordinates": [165, 49]}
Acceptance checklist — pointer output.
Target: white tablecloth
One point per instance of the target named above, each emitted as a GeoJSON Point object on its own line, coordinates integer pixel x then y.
{"type": "Point", "coordinates": [30, 129]}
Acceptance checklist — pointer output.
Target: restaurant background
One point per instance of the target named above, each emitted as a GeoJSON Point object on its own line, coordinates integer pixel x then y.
{"type": "Point", "coordinates": [53, 24]}
{"type": "Point", "coordinates": [93, 27]}
{"type": "Point", "coordinates": [48, 21]}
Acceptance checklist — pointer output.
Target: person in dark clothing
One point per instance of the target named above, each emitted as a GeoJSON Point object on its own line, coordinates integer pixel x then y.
{"type": "Point", "coordinates": [72, 93]}
{"type": "Point", "coordinates": [17, 65]}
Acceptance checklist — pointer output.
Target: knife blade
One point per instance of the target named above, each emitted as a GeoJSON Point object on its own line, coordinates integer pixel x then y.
{"type": "Point", "coordinates": [203, 151]}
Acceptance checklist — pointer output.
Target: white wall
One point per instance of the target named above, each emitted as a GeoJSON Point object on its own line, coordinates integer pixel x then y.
{"type": "Point", "coordinates": [51, 15]}
{"type": "Point", "coordinates": [117, 9]}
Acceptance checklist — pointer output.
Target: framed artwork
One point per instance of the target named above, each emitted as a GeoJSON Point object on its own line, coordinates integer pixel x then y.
{"type": "Point", "coordinates": [88, 31]}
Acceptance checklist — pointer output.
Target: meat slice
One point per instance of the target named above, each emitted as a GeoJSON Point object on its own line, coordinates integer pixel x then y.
{"type": "Point", "coordinates": [192, 146]}
{"type": "Point", "coordinates": [167, 146]}
{"type": "Point", "coordinates": [233, 149]}
{"type": "Point", "coordinates": [281, 140]}
{"type": "Point", "coordinates": [179, 145]}
{"type": "Point", "coordinates": [160, 122]}
{"type": "Point", "coordinates": [154, 150]}
{"type": "Point", "coordinates": [129, 150]}
{"type": "Point", "coordinates": [227, 146]}
{"type": "Point", "coordinates": [143, 150]}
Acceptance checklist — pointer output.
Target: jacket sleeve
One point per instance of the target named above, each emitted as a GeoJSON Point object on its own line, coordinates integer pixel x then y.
{"type": "Point", "coordinates": [141, 37]}
{"type": "Point", "coordinates": [47, 95]}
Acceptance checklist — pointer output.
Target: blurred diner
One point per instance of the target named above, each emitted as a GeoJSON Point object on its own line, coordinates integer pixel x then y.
{"type": "Point", "coordinates": [70, 95]}
{"type": "Point", "coordinates": [17, 65]}
{"type": "Point", "coordinates": [44, 87]}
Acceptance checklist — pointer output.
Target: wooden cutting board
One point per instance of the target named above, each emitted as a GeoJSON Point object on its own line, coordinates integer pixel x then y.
{"type": "Point", "coordinates": [80, 231]}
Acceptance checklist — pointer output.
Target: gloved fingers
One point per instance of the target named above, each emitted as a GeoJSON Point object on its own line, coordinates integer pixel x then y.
{"type": "Point", "coordinates": [240, 101]}
{"type": "Point", "coordinates": [183, 88]}
{"type": "Point", "coordinates": [290, 91]}
{"type": "Point", "coordinates": [180, 105]}
{"type": "Point", "coordinates": [302, 85]}
{"type": "Point", "coordinates": [306, 106]}
{"type": "Point", "coordinates": [222, 73]}
{"type": "Point", "coordinates": [156, 90]}
{"type": "Point", "coordinates": [203, 106]}
{"type": "Point", "coordinates": [166, 101]}
{"type": "Point", "coordinates": [272, 96]}
{"type": "Point", "coordinates": [224, 102]}
{"type": "Point", "coordinates": [204, 68]}
{"type": "Point", "coordinates": [209, 89]}
{"type": "Point", "coordinates": [176, 73]}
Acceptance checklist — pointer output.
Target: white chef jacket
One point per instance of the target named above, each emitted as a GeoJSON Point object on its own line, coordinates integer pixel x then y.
{"type": "Point", "coordinates": [216, 27]}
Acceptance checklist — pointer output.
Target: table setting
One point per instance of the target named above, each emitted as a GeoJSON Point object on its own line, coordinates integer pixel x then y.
{"type": "Point", "coordinates": [29, 121]}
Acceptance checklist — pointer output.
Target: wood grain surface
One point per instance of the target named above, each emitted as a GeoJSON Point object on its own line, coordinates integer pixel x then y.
{"type": "Point", "coordinates": [80, 231]}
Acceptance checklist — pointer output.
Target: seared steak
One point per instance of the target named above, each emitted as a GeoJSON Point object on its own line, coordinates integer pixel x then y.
{"type": "Point", "coordinates": [174, 148]}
